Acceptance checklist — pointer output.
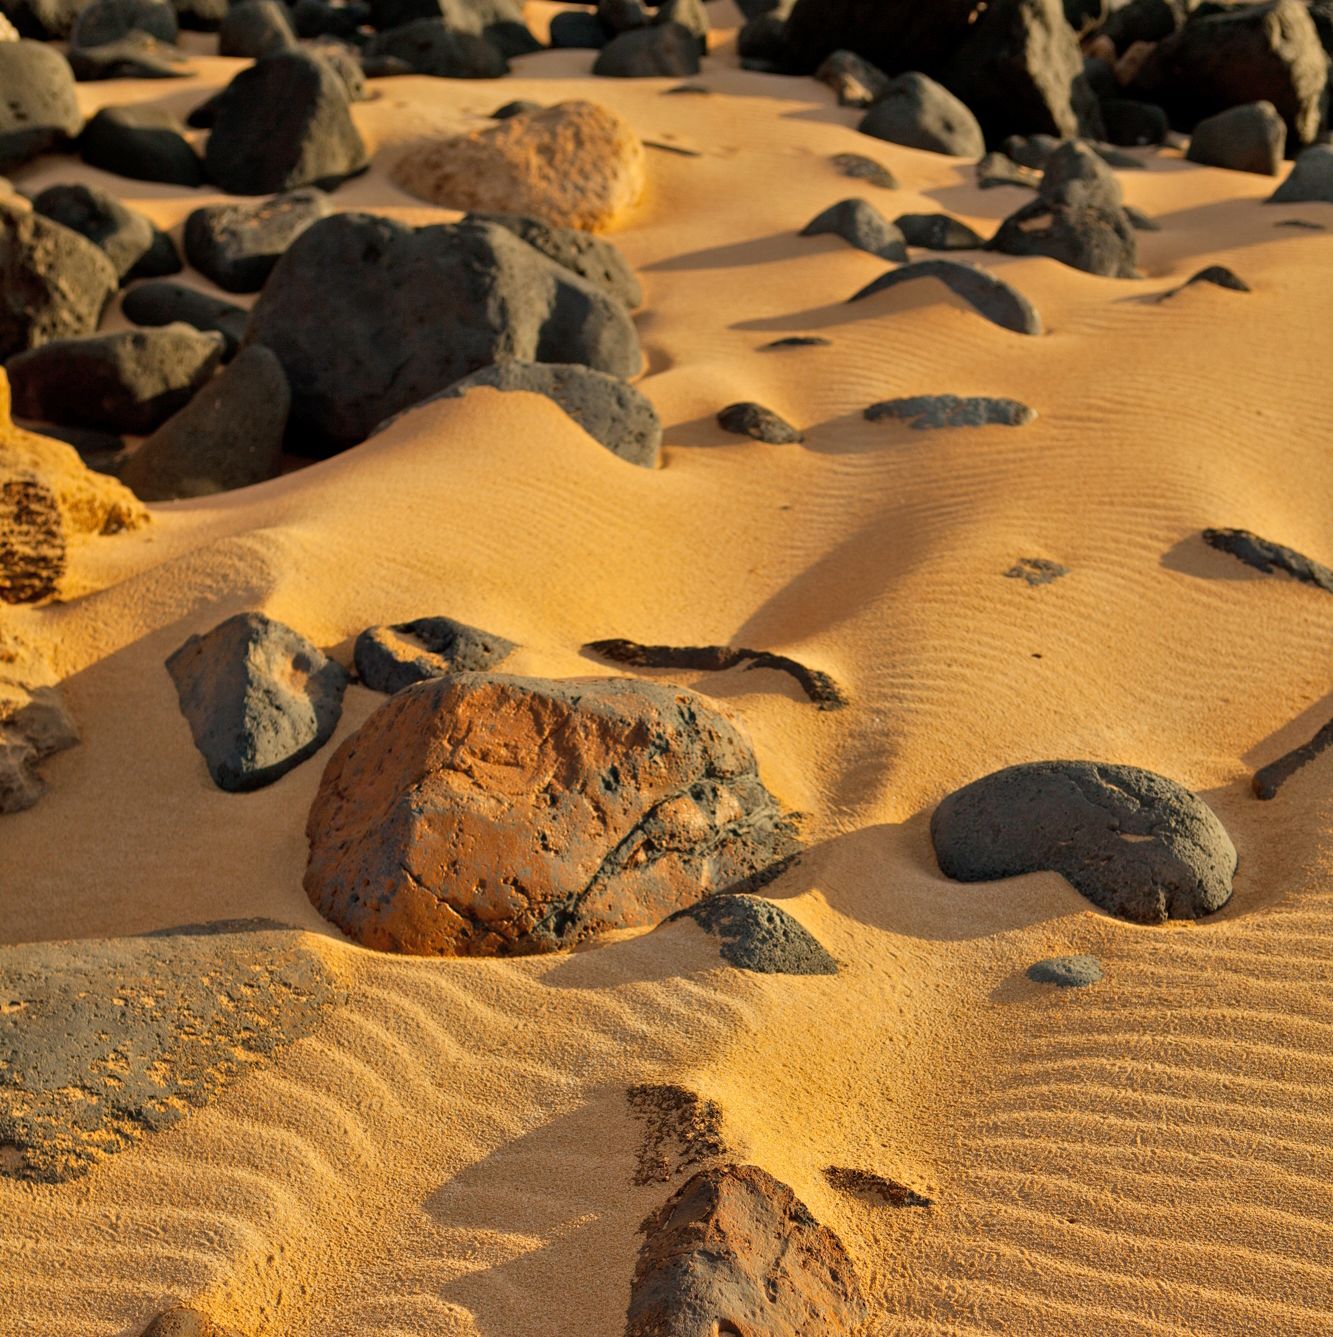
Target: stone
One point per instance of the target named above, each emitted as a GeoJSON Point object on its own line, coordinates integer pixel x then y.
{"type": "Point", "coordinates": [577, 30]}
{"type": "Point", "coordinates": [391, 658]}
{"type": "Point", "coordinates": [166, 303]}
{"type": "Point", "coordinates": [991, 297]}
{"type": "Point", "coordinates": [860, 168]}
{"type": "Point", "coordinates": [856, 81]}
{"type": "Point", "coordinates": [998, 169]}
{"type": "Point", "coordinates": [46, 20]}
{"type": "Point", "coordinates": [681, 1130]}
{"type": "Point", "coordinates": [237, 245]}
{"type": "Point", "coordinates": [228, 436]}
{"type": "Point", "coordinates": [143, 142]}
{"type": "Point", "coordinates": [135, 56]}
{"type": "Point", "coordinates": [798, 341]}
{"type": "Point", "coordinates": [369, 316]}
{"type": "Point", "coordinates": [874, 1188]}
{"type": "Point", "coordinates": [40, 109]}
{"type": "Point", "coordinates": [861, 225]}
{"type": "Point", "coordinates": [1036, 571]}
{"type": "Point", "coordinates": [1133, 124]}
{"type": "Point", "coordinates": [761, 44]}
{"type": "Point", "coordinates": [106, 1041]}
{"type": "Point", "coordinates": [921, 114]}
{"type": "Point", "coordinates": [1249, 138]}
{"type": "Point", "coordinates": [201, 15]}
{"type": "Point", "coordinates": [106, 21]}
{"type": "Point", "coordinates": [754, 420]}
{"type": "Point", "coordinates": [1310, 180]}
{"type": "Point", "coordinates": [125, 236]}
{"type": "Point", "coordinates": [1145, 21]}
{"type": "Point", "coordinates": [610, 410]}
{"type": "Point", "coordinates": [180, 1322]}
{"type": "Point", "coordinates": [926, 412]}
{"type": "Point", "coordinates": [894, 35]}
{"type": "Point", "coordinates": [485, 815]}
{"type": "Point", "coordinates": [938, 232]}
{"type": "Point", "coordinates": [1269, 779]}
{"type": "Point", "coordinates": [281, 124]}
{"type": "Point", "coordinates": [126, 381]}
{"type": "Point", "coordinates": [430, 46]}
{"type": "Point", "coordinates": [1219, 276]}
{"type": "Point", "coordinates": [1066, 972]}
{"type": "Point", "coordinates": [575, 165]}
{"type": "Point", "coordinates": [34, 724]}
{"type": "Point", "coordinates": [1268, 557]}
{"type": "Point", "coordinates": [258, 697]}
{"type": "Point", "coordinates": [500, 22]}
{"type": "Point", "coordinates": [518, 107]}
{"type": "Point", "coordinates": [54, 283]}
{"type": "Point", "coordinates": [692, 15]}
{"type": "Point", "coordinates": [346, 62]}
{"type": "Point", "coordinates": [1134, 843]}
{"type": "Point", "coordinates": [666, 50]}
{"type": "Point", "coordinates": [754, 934]}
{"type": "Point", "coordinates": [255, 29]}
{"type": "Point", "coordinates": [1140, 221]}
{"type": "Point", "coordinates": [735, 1251]}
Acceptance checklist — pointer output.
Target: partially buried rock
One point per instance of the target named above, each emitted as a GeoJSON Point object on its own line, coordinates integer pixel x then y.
{"type": "Point", "coordinates": [179, 1322]}
{"type": "Point", "coordinates": [754, 934]}
{"type": "Point", "coordinates": [917, 112]}
{"type": "Point", "coordinates": [754, 420]}
{"type": "Point", "coordinates": [391, 658]}
{"type": "Point", "coordinates": [1134, 843]}
{"type": "Point", "coordinates": [938, 232]}
{"type": "Point", "coordinates": [1243, 139]}
{"type": "Point", "coordinates": [259, 699]}
{"type": "Point", "coordinates": [127, 381]}
{"type": "Point", "coordinates": [1310, 180]}
{"type": "Point", "coordinates": [34, 724]}
{"type": "Point", "coordinates": [663, 50]}
{"type": "Point", "coordinates": [991, 297]}
{"type": "Point", "coordinates": [576, 164]}
{"type": "Point", "coordinates": [861, 225]}
{"type": "Point", "coordinates": [925, 412]}
{"type": "Point", "coordinates": [1269, 779]}
{"type": "Point", "coordinates": [1036, 571]}
{"type": "Point", "coordinates": [165, 303]}
{"type": "Point", "coordinates": [135, 56]}
{"type": "Point", "coordinates": [237, 245]}
{"type": "Point", "coordinates": [998, 169]}
{"type": "Point", "coordinates": [124, 235]}
{"type": "Point", "coordinates": [735, 1251]}
{"type": "Point", "coordinates": [1066, 972]}
{"type": "Point", "coordinates": [144, 143]}
{"type": "Point", "coordinates": [431, 46]}
{"type": "Point", "coordinates": [855, 80]}
{"type": "Point", "coordinates": [1217, 276]}
{"type": "Point", "coordinates": [39, 109]}
{"type": "Point", "coordinates": [1266, 556]}
{"type": "Point", "coordinates": [485, 815]}
{"type": "Point", "coordinates": [860, 168]}
{"type": "Point", "coordinates": [105, 21]}
{"type": "Point", "coordinates": [254, 29]}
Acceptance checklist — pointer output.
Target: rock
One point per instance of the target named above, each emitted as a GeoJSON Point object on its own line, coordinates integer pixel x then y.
{"type": "Point", "coordinates": [1146, 21]}
{"type": "Point", "coordinates": [39, 110]}
{"type": "Point", "coordinates": [228, 436]}
{"type": "Point", "coordinates": [1268, 557]}
{"type": "Point", "coordinates": [500, 22]}
{"type": "Point", "coordinates": [1241, 139]}
{"type": "Point", "coordinates": [574, 165]}
{"type": "Point", "coordinates": [179, 1322]}
{"type": "Point", "coordinates": [255, 29]}
{"type": "Point", "coordinates": [1223, 58]}
{"type": "Point", "coordinates": [575, 29]}
{"type": "Point", "coordinates": [415, 310]}
{"type": "Point", "coordinates": [430, 46]}
{"type": "Point", "coordinates": [259, 699]}
{"type": "Point", "coordinates": [861, 225]}
{"type": "Point", "coordinates": [159, 259]}
{"type": "Point", "coordinates": [345, 62]}
{"type": "Point", "coordinates": [45, 20]}
{"type": "Point", "coordinates": [1134, 843]}
{"type": "Point", "coordinates": [873, 1188]}
{"type": "Point", "coordinates": [692, 15]}
{"type": "Point", "coordinates": [1133, 124]}
{"type": "Point", "coordinates": [681, 1130]}
{"type": "Point", "coordinates": [861, 168]}
{"type": "Point", "coordinates": [762, 45]}
{"type": "Point", "coordinates": [1036, 571]}
{"type": "Point", "coordinates": [486, 815]}
{"type": "Point", "coordinates": [124, 235]}
{"type": "Point", "coordinates": [166, 303]}
{"type": "Point", "coordinates": [894, 35]}
{"type": "Point", "coordinates": [1269, 779]}
{"type": "Point", "coordinates": [391, 658]}
{"type": "Point", "coordinates": [748, 419]}
{"type": "Point", "coordinates": [54, 283]}
{"type": "Point", "coordinates": [998, 169]}
{"type": "Point", "coordinates": [918, 112]}
{"type": "Point", "coordinates": [1217, 275]}
{"type": "Point", "coordinates": [991, 297]}
{"type": "Point", "coordinates": [110, 1040]}
{"type": "Point", "coordinates": [34, 724]}
{"type": "Point", "coordinates": [237, 245]}
{"type": "Point", "coordinates": [610, 410]}
{"type": "Point", "coordinates": [1066, 972]}
{"type": "Point", "coordinates": [201, 15]}
{"type": "Point", "coordinates": [136, 56]}
{"type": "Point", "coordinates": [757, 935]}
{"type": "Point", "coordinates": [1080, 204]}
{"type": "Point", "coordinates": [663, 50]}
{"type": "Point", "coordinates": [106, 21]}
{"type": "Point", "coordinates": [1140, 221]}
{"type": "Point", "coordinates": [518, 107]}
{"type": "Point", "coordinates": [938, 232]}
{"type": "Point", "coordinates": [281, 124]}
{"type": "Point", "coordinates": [925, 412]}
{"type": "Point", "coordinates": [856, 81]}
{"type": "Point", "coordinates": [126, 381]}
{"type": "Point", "coordinates": [1310, 180]}
{"type": "Point", "coordinates": [143, 142]}
{"type": "Point", "coordinates": [735, 1251]}
{"type": "Point", "coordinates": [797, 341]}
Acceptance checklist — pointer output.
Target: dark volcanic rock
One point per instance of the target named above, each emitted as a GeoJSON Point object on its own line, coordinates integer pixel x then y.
{"type": "Point", "coordinates": [485, 815]}
{"type": "Point", "coordinates": [757, 935]}
{"type": "Point", "coordinates": [135, 56]}
{"type": "Point", "coordinates": [998, 169]}
{"type": "Point", "coordinates": [282, 124]}
{"type": "Point", "coordinates": [1269, 779]}
{"type": "Point", "coordinates": [124, 235]}
{"type": "Point", "coordinates": [1218, 275]}
{"type": "Point", "coordinates": [861, 225]}
{"type": "Point", "coordinates": [228, 436]}
{"type": "Point", "coordinates": [991, 297]}
{"type": "Point", "coordinates": [1134, 843]}
{"type": "Point", "coordinates": [165, 303]}
{"type": "Point", "coordinates": [1036, 571]}
{"type": "Point", "coordinates": [39, 109]}
{"type": "Point", "coordinates": [1310, 180]}
{"type": "Point", "coordinates": [1066, 972]}
{"type": "Point", "coordinates": [254, 29]}
{"type": "Point", "coordinates": [649, 53]}
{"type": "Point", "coordinates": [431, 46]}
{"type": "Point", "coordinates": [391, 658]}
{"type": "Point", "coordinates": [798, 341]}
{"type": "Point", "coordinates": [918, 112]}
{"type": "Point", "coordinates": [931, 411]}
{"type": "Point", "coordinates": [749, 419]}
{"type": "Point", "coordinates": [259, 699]}
{"type": "Point", "coordinates": [127, 381]}
{"type": "Point", "coordinates": [1243, 139]}
{"type": "Point", "coordinates": [575, 29]}
{"type": "Point", "coordinates": [104, 1041]}
{"type": "Point", "coordinates": [142, 142]}
{"type": "Point", "coordinates": [500, 22]}
{"type": "Point", "coordinates": [106, 21]}
{"type": "Point", "coordinates": [415, 310]}
{"type": "Point", "coordinates": [237, 245]}
{"type": "Point", "coordinates": [1133, 124]}
{"type": "Point", "coordinates": [861, 168]}
{"type": "Point", "coordinates": [856, 81]}
{"type": "Point", "coordinates": [762, 44]}
{"type": "Point", "coordinates": [895, 35]}
{"type": "Point", "coordinates": [1269, 557]}
{"type": "Point", "coordinates": [180, 1322]}
{"type": "Point", "coordinates": [873, 1188]}
{"type": "Point", "coordinates": [201, 15]}
{"type": "Point", "coordinates": [610, 410]}
{"type": "Point", "coordinates": [34, 724]}
{"type": "Point", "coordinates": [735, 1251]}
{"type": "Point", "coordinates": [681, 1131]}
{"type": "Point", "coordinates": [938, 232]}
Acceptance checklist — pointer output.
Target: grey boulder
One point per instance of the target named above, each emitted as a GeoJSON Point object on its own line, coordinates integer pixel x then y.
{"type": "Point", "coordinates": [1243, 139]}
{"type": "Point", "coordinates": [1066, 972]}
{"type": "Point", "coordinates": [754, 934]}
{"type": "Point", "coordinates": [861, 225]}
{"type": "Point", "coordinates": [391, 658]}
{"type": "Point", "coordinates": [39, 109]}
{"type": "Point", "coordinates": [938, 232]}
{"type": "Point", "coordinates": [917, 112]}
{"type": "Point", "coordinates": [1310, 180]}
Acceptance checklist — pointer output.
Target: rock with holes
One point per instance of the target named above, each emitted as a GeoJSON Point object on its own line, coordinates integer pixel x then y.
{"type": "Point", "coordinates": [39, 108]}
{"type": "Point", "coordinates": [754, 420]}
{"type": "Point", "coordinates": [1134, 843]}
{"type": "Point", "coordinates": [926, 412]}
{"type": "Point", "coordinates": [735, 1251]}
{"type": "Point", "coordinates": [754, 934]}
{"type": "Point", "coordinates": [486, 815]}
{"type": "Point", "coordinates": [391, 658]}
{"type": "Point", "coordinates": [1310, 180]}
{"type": "Point", "coordinates": [861, 225]}
{"type": "Point", "coordinates": [1242, 139]}
{"type": "Point", "coordinates": [1266, 556]}
{"type": "Point", "coordinates": [991, 297]}
{"type": "Point", "coordinates": [259, 699]}
{"type": "Point", "coordinates": [916, 111]}
{"type": "Point", "coordinates": [237, 245]}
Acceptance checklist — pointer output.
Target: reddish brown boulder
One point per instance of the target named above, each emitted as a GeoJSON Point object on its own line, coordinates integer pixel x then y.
{"type": "Point", "coordinates": [487, 815]}
{"type": "Point", "coordinates": [735, 1251]}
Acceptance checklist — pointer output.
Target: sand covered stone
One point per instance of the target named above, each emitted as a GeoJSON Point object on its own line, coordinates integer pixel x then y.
{"type": "Point", "coordinates": [938, 232]}
{"type": "Point", "coordinates": [735, 1251]}
{"type": "Point", "coordinates": [1134, 843]}
{"type": "Point", "coordinates": [1066, 972]}
{"type": "Point", "coordinates": [1266, 556]}
{"type": "Point", "coordinates": [577, 164]}
{"type": "Point", "coordinates": [861, 225]}
{"type": "Point", "coordinates": [35, 724]}
{"type": "Point", "coordinates": [1243, 139]}
{"type": "Point", "coordinates": [1310, 180]}
{"type": "Point", "coordinates": [104, 1041]}
{"type": "Point", "coordinates": [145, 143]}
{"type": "Point", "coordinates": [1036, 571]}
{"type": "Point", "coordinates": [860, 168]}
{"type": "Point", "coordinates": [39, 109]}
{"type": "Point", "coordinates": [1216, 276]}
{"type": "Point", "coordinates": [990, 296]}
{"type": "Point", "coordinates": [391, 658]}
{"type": "Point", "coordinates": [855, 80]}
{"type": "Point", "coordinates": [754, 934]}
{"type": "Point", "coordinates": [916, 111]}
{"type": "Point", "coordinates": [237, 245]}
{"type": "Point", "coordinates": [486, 815]}
{"type": "Point", "coordinates": [754, 420]}
{"type": "Point", "coordinates": [259, 699]}
{"type": "Point", "coordinates": [925, 412]}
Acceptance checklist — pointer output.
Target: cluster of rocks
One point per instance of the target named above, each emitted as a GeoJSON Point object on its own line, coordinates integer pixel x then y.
{"type": "Point", "coordinates": [637, 38]}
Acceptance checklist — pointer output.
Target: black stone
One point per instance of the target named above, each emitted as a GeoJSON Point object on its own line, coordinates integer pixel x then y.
{"type": "Point", "coordinates": [1133, 124]}
{"type": "Point", "coordinates": [1269, 557]}
{"type": "Point", "coordinates": [662, 50]}
{"type": "Point", "coordinates": [124, 235]}
{"type": "Point", "coordinates": [754, 934]}
{"type": "Point", "coordinates": [575, 29]}
{"type": "Point", "coordinates": [861, 168]}
{"type": "Point", "coordinates": [921, 114]}
{"type": "Point", "coordinates": [142, 142]}
{"type": "Point", "coordinates": [135, 56]}
{"type": "Point", "coordinates": [1066, 972]}
{"type": "Point", "coordinates": [1269, 779]}
{"type": "Point", "coordinates": [237, 245]}
{"type": "Point", "coordinates": [938, 232]}
{"type": "Point", "coordinates": [1310, 180]}
{"type": "Point", "coordinates": [925, 412]}
{"type": "Point", "coordinates": [991, 297]}
{"type": "Point", "coordinates": [255, 28]}
{"type": "Point", "coordinates": [748, 419]}
{"type": "Point", "coordinates": [1242, 139]}
{"type": "Point", "coordinates": [861, 225]}
{"type": "Point", "coordinates": [107, 21]}
{"type": "Point", "coordinates": [391, 658]}
{"type": "Point", "coordinates": [163, 303]}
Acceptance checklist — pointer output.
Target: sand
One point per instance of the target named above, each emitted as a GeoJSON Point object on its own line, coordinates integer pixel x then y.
{"type": "Point", "coordinates": [452, 1152]}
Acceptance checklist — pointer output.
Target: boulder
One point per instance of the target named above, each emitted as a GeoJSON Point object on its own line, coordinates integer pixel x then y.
{"type": "Point", "coordinates": [391, 658]}
{"type": "Point", "coordinates": [106, 21]}
{"type": "Point", "coordinates": [754, 420]}
{"type": "Point", "coordinates": [34, 724]}
{"type": "Point", "coordinates": [1134, 843]}
{"type": "Point", "coordinates": [165, 303]}
{"type": "Point", "coordinates": [1133, 124]}
{"type": "Point", "coordinates": [237, 245]}
{"type": "Point", "coordinates": [754, 934]}
{"type": "Point", "coordinates": [577, 30]}
{"type": "Point", "coordinates": [916, 111]}
{"type": "Point", "coordinates": [431, 46]}
{"type": "Point", "coordinates": [861, 225]}
{"type": "Point", "coordinates": [369, 316]}
{"type": "Point", "coordinates": [576, 165]}
{"type": "Point", "coordinates": [125, 236]}
{"type": "Point", "coordinates": [1241, 139]}
{"type": "Point", "coordinates": [39, 109]}
{"type": "Point", "coordinates": [660, 51]}
{"type": "Point", "coordinates": [259, 699]}
{"type": "Point", "coordinates": [486, 815]}
{"type": "Point", "coordinates": [1310, 180]}
{"type": "Point", "coordinates": [938, 232]}
{"type": "Point", "coordinates": [255, 29]}
{"type": "Point", "coordinates": [142, 142]}
{"type": "Point", "coordinates": [989, 296]}
{"type": "Point", "coordinates": [927, 412]}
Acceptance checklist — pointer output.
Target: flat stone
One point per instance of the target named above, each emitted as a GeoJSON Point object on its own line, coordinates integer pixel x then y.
{"type": "Point", "coordinates": [874, 1188]}
{"type": "Point", "coordinates": [1268, 557]}
{"type": "Point", "coordinates": [1066, 972]}
{"type": "Point", "coordinates": [754, 420]}
{"type": "Point", "coordinates": [989, 296]}
{"type": "Point", "coordinates": [754, 934]}
{"type": "Point", "coordinates": [860, 168]}
{"type": "Point", "coordinates": [1218, 276]}
{"type": "Point", "coordinates": [925, 412]}
{"type": "Point", "coordinates": [391, 658]}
